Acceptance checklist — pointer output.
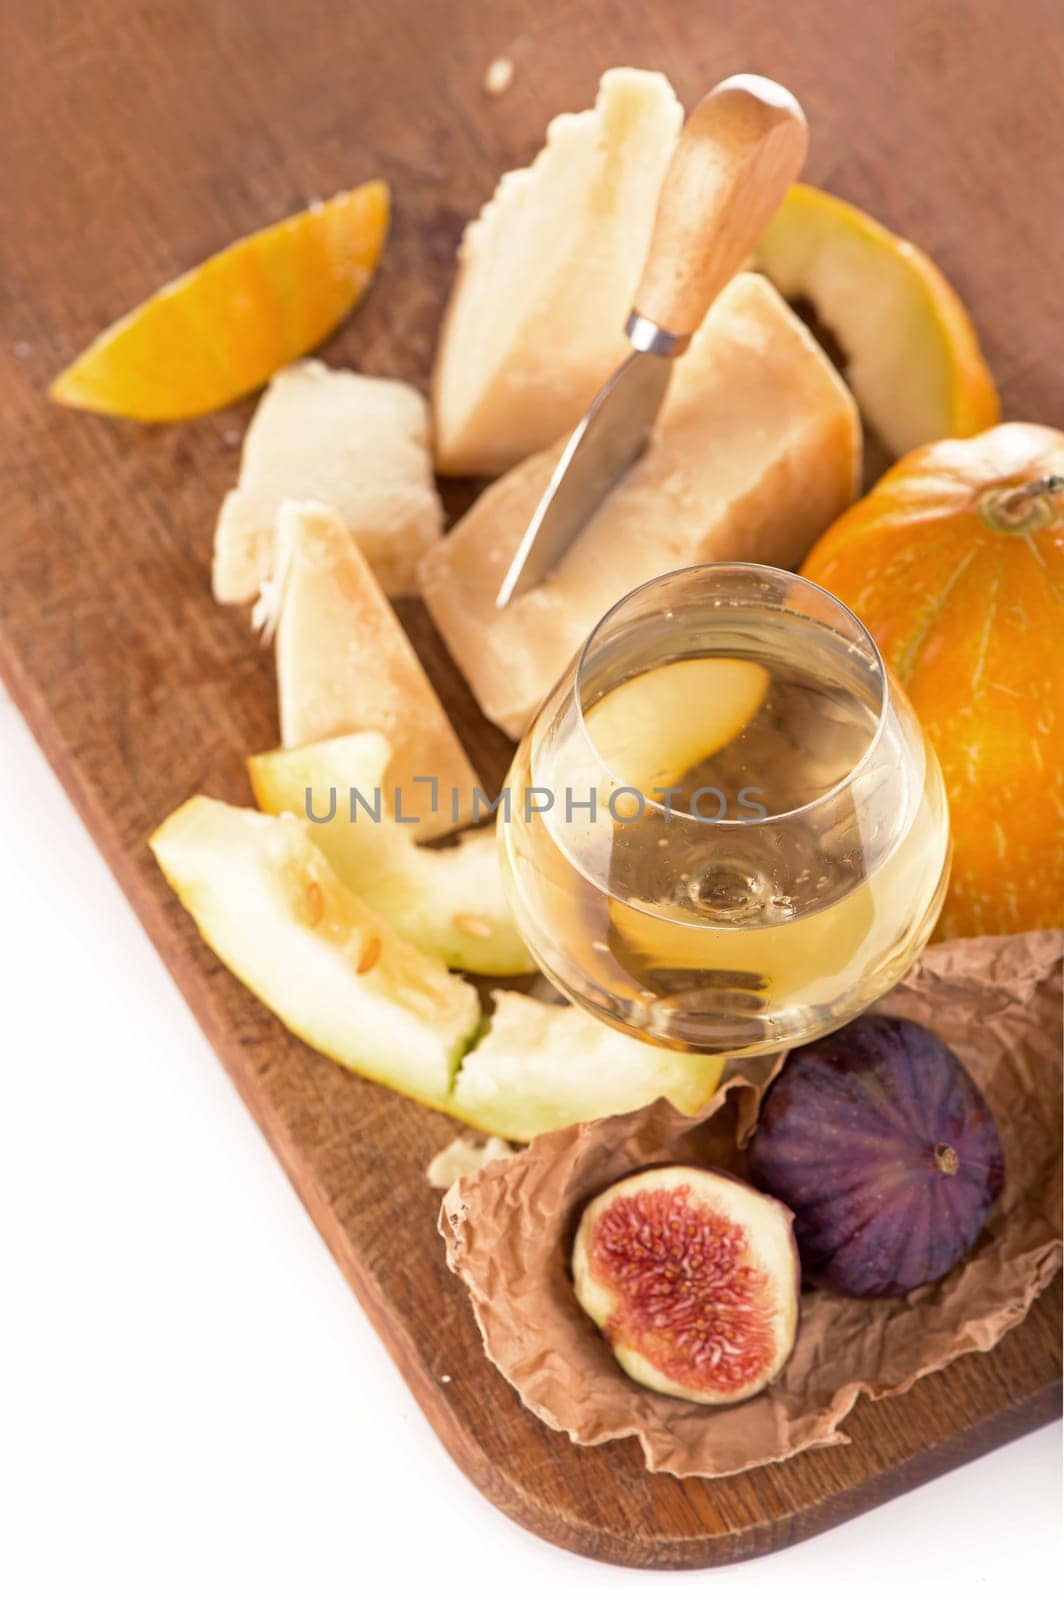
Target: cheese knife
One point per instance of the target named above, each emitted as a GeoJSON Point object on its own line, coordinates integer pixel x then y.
{"type": "Point", "coordinates": [738, 153]}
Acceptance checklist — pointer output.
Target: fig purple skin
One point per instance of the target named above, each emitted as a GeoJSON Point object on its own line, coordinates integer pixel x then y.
{"type": "Point", "coordinates": [888, 1155]}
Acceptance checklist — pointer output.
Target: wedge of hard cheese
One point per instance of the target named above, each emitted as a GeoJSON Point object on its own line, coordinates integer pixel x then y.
{"type": "Point", "coordinates": [344, 665]}
{"type": "Point", "coordinates": [546, 277]}
{"type": "Point", "coordinates": [358, 444]}
{"type": "Point", "coordinates": [757, 450]}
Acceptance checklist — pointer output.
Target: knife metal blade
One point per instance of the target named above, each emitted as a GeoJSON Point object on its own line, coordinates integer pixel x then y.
{"type": "Point", "coordinates": [604, 444]}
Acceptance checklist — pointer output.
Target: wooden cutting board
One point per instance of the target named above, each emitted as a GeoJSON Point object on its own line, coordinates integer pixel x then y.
{"type": "Point", "coordinates": [139, 139]}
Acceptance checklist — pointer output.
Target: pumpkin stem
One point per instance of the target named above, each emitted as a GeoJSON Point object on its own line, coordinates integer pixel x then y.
{"type": "Point", "coordinates": [1022, 509]}
{"type": "Point", "coordinates": [947, 1160]}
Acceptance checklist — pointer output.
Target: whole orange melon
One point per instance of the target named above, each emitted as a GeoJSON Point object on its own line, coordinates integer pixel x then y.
{"type": "Point", "coordinates": [955, 562]}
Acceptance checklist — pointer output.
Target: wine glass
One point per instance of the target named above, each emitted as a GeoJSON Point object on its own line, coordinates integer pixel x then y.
{"type": "Point", "coordinates": [725, 830]}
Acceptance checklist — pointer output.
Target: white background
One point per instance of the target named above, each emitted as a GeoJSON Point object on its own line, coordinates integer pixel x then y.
{"type": "Point", "coordinates": [192, 1401]}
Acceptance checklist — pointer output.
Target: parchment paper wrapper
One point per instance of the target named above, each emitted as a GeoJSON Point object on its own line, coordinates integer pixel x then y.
{"type": "Point", "coordinates": [509, 1230]}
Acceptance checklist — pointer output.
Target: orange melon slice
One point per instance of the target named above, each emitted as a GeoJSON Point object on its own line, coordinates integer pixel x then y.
{"type": "Point", "coordinates": [222, 329]}
{"type": "Point", "coordinates": [912, 355]}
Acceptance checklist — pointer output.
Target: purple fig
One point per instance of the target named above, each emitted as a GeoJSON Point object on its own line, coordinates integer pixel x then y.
{"type": "Point", "coordinates": [888, 1155]}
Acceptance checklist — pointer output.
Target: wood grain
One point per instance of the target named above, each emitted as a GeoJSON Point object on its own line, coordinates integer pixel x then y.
{"type": "Point", "coordinates": [138, 139]}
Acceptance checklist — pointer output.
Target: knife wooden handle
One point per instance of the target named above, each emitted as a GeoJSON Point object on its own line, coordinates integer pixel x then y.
{"type": "Point", "coordinates": [739, 151]}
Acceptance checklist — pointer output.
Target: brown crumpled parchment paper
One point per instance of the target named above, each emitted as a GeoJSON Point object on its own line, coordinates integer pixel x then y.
{"type": "Point", "coordinates": [509, 1230]}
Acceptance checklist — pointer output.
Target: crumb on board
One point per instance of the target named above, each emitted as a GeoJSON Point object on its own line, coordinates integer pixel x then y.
{"type": "Point", "coordinates": [463, 1157]}
{"type": "Point", "coordinates": [499, 75]}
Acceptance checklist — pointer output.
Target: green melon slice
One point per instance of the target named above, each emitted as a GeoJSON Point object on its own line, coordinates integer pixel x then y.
{"type": "Point", "coordinates": [448, 901]}
{"type": "Point", "coordinates": [539, 1067]}
{"type": "Point", "coordinates": [270, 906]}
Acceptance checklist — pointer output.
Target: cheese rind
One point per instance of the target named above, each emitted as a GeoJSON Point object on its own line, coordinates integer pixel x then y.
{"type": "Point", "coordinates": [757, 450]}
{"type": "Point", "coordinates": [344, 665]}
{"type": "Point", "coordinates": [546, 277]}
{"type": "Point", "coordinates": [358, 444]}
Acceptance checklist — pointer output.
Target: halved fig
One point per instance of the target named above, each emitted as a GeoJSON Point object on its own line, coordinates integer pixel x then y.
{"type": "Point", "coordinates": [693, 1278]}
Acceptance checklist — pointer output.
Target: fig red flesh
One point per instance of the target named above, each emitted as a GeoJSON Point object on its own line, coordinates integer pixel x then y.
{"type": "Point", "coordinates": [887, 1153]}
{"type": "Point", "coordinates": [687, 1296]}
{"type": "Point", "coordinates": [692, 1276]}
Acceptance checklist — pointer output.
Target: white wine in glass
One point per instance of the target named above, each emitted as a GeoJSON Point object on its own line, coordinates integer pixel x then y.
{"type": "Point", "coordinates": [725, 830]}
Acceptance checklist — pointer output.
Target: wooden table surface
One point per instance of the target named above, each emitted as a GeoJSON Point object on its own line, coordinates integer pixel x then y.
{"type": "Point", "coordinates": [139, 138]}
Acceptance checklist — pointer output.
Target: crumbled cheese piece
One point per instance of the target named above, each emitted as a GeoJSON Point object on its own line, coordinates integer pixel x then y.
{"type": "Point", "coordinates": [499, 76]}
{"type": "Point", "coordinates": [462, 1158]}
{"type": "Point", "coordinates": [358, 444]}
